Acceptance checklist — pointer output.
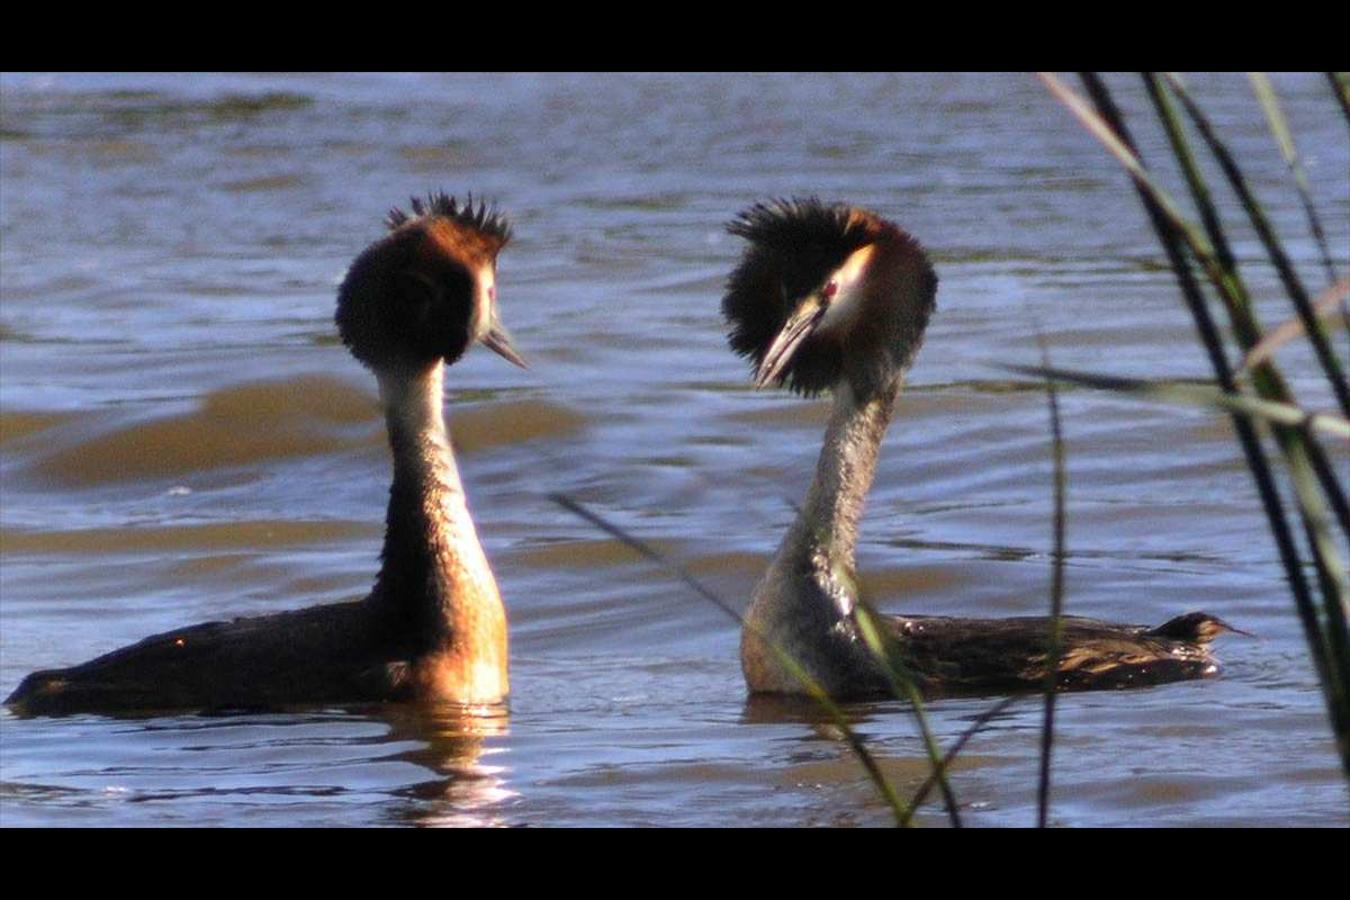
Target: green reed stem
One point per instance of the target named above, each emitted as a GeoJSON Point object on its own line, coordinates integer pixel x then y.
{"type": "Point", "coordinates": [980, 721]}
{"type": "Point", "coordinates": [1302, 452]}
{"type": "Point", "coordinates": [886, 649]}
{"type": "Point", "coordinates": [903, 814]}
{"type": "Point", "coordinates": [1279, 127]}
{"type": "Point", "coordinates": [1293, 285]}
{"type": "Point", "coordinates": [1266, 378]}
{"type": "Point", "coordinates": [1056, 590]}
{"type": "Point", "coordinates": [1340, 87]}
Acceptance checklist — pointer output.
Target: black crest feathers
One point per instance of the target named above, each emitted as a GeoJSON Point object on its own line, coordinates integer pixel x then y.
{"type": "Point", "coordinates": [801, 226]}
{"type": "Point", "coordinates": [794, 245]}
{"type": "Point", "coordinates": [408, 299]}
{"type": "Point", "coordinates": [483, 217]}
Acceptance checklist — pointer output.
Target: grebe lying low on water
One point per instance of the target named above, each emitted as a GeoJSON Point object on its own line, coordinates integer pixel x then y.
{"type": "Point", "coordinates": [835, 297]}
{"type": "Point", "coordinates": [433, 627]}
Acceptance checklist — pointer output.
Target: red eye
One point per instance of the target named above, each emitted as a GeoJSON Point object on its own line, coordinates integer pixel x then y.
{"type": "Point", "coordinates": [830, 290]}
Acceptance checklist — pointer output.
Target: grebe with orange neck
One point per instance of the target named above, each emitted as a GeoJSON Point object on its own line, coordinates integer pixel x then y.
{"type": "Point", "coordinates": [434, 627]}
{"type": "Point", "coordinates": [829, 297]}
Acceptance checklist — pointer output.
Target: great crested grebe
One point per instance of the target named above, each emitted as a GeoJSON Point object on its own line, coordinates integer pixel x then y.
{"type": "Point", "coordinates": [433, 627]}
{"type": "Point", "coordinates": [832, 297]}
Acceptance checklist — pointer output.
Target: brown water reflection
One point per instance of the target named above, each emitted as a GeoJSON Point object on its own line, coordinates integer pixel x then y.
{"type": "Point", "coordinates": [469, 788]}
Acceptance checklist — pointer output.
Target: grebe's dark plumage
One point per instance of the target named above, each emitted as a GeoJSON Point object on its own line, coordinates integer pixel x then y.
{"type": "Point", "coordinates": [433, 628]}
{"type": "Point", "coordinates": [794, 246]}
{"type": "Point", "coordinates": [437, 270]}
{"type": "Point", "coordinates": [833, 297]}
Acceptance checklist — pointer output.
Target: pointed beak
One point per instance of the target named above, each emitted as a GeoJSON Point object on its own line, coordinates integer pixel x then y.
{"type": "Point", "coordinates": [499, 342]}
{"type": "Point", "coordinates": [796, 329]}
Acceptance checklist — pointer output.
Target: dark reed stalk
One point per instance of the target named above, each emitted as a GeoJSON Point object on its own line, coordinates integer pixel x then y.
{"type": "Point", "coordinates": [1056, 590]}
{"type": "Point", "coordinates": [1249, 331]}
{"type": "Point", "coordinates": [1201, 395]}
{"type": "Point", "coordinates": [1266, 378]}
{"type": "Point", "coordinates": [1257, 462]}
{"type": "Point", "coordinates": [886, 649]}
{"type": "Point", "coordinates": [1311, 464]}
{"type": "Point", "coordinates": [1312, 477]}
{"type": "Point", "coordinates": [1293, 285]}
{"type": "Point", "coordinates": [1279, 127]}
{"type": "Point", "coordinates": [958, 745]}
{"type": "Point", "coordinates": [1340, 87]}
{"type": "Point", "coordinates": [903, 814]}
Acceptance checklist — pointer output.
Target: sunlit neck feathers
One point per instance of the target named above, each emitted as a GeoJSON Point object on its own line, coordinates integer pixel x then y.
{"type": "Point", "coordinates": [434, 627]}
{"type": "Point", "coordinates": [827, 292]}
{"type": "Point", "coordinates": [825, 297]}
{"type": "Point", "coordinates": [427, 291]}
{"type": "Point", "coordinates": [835, 297]}
{"type": "Point", "coordinates": [411, 304]}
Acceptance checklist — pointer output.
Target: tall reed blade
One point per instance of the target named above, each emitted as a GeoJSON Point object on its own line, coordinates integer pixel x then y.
{"type": "Point", "coordinates": [981, 720]}
{"type": "Point", "coordinates": [1265, 92]}
{"type": "Point", "coordinates": [1184, 394]}
{"type": "Point", "coordinates": [1264, 228]}
{"type": "Point", "coordinates": [886, 649]}
{"type": "Point", "coordinates": [1330, 309]}
{"type": "Point", "coordinates": [1056, 589]}
{"type": "Point", "coordinates": [1267, 380]}
{"type": "Point", "coordinates": [1318, 489]}
{"type": "Point", "coordinates": [903, 814]}
{"type": "Point", "coordinates": [1340, 86]}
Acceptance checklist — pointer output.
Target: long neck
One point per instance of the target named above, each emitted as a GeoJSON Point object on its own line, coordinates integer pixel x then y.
{"type": "Point", "coordinates": [826, 530]}
{"type": "Point", "coordinates": [435, 580]}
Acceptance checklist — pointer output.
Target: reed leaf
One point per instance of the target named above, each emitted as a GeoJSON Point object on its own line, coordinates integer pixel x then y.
{"type": "Point", "coordinates": [1326, 307]}
{"type": "Point", "coordinates": [958, 745]}
{"type": "Point", "coordinates": [1056, 588]}
{"type": "Point", "coordinates": [886, 649]}
{"type": "Point", "coordinates": [1340, 86]}
{"type": "Point", "coordinates": [1325, 629]}
{"type": "Point", "coordinates": [1186, 394]}
{"type": "Point", "coordinates": [1293, 285]}
{"type": "Point", "coordinates": [1267, 380]}
{"type": "Point", "coordinates": [1279, 127]}
{"type": "Point", "coordinates": [1335, 584]}
{"type": "Point", "coordinates": [903, 814]}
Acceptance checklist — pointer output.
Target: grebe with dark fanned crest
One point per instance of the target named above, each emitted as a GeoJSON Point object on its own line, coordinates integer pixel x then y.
{"type": "Point", "coordinates": [832, 297]}
{"type": "Point", "coordinates": [433, 628]}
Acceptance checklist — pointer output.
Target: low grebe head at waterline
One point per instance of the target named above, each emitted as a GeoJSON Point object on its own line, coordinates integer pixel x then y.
{"type": "Point", "coordinates": [830, 297]}
{"type": "Point", "coordinates": [434, 627]}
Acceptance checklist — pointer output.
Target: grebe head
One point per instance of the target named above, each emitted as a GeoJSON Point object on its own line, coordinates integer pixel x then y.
{"type": "Point", "coordinates": [427, 291]}
{"type": "Point", "coordinates": [827, 292]}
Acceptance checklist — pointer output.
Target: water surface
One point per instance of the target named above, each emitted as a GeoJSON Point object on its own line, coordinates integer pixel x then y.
{"type": "Point", "coordinates": [182, 438]}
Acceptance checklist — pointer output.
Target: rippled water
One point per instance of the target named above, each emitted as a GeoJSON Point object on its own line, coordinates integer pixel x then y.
{"type": "Point", "coordinates": [182, 438]}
